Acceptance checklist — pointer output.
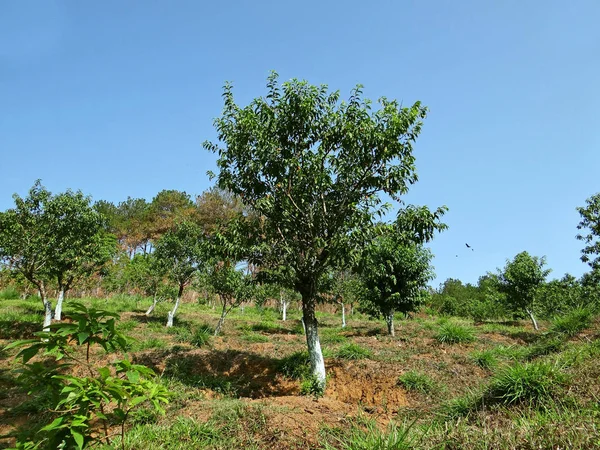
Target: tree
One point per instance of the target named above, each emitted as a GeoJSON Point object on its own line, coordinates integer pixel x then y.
{"type": "Point", "coordinates": [25, 240]}
{"type": "Point", "coordinates": [312, 169]}
{"type": "Point", "coordinates": [521, 280]}
{"type": "Point", "coordinates": [81, 244]}
{"type": "Point", "coordinates": [147, 273]}
{"type": "Point", "coordinates": [394, 272]}
{"type": "Point", "coordinates": [232, 285]}
{"type": "Point", "coordinates": [182, 251]}
{"type": "Point", "coordinates": [215, 208]}
{"type": "Point", "coordinates": [590, 220]}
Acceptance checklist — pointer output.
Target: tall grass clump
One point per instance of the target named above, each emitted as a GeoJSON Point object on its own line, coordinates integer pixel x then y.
{"type": "Point", "coordinates": [418, 382]}
{"type": "Point", "coordinates": [452, 333]}
{"type": "Point", "coordinates": [533, 383]}
{"type": "Point", "coordinates": [352, 351]}
{"type": "Point", "coordinates": [573, 322]}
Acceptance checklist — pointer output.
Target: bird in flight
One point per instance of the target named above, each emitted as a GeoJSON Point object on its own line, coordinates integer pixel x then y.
{"type": "Point", "coordinates": [468, 246]}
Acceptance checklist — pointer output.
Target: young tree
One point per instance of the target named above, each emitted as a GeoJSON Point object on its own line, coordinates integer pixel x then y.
{"type": "Point", "coordinates": [590, 220]}
{"type": "Point", "coordinates": [521, 280]}
{"type": "Point", "coordinates": [312, 169]}
{"type": "Point", "coordinates": [81, 244]}
{"type": "Point", "coordinates": [25, 241]}
{"type": "Point", "coordinates": [232, 285]}
{"type": "Point", "coordinates": [147, 273]}
{"type": "Point", "coordinates": [394, 272]}
{"type": "Point", "coordinates": [182, 251]}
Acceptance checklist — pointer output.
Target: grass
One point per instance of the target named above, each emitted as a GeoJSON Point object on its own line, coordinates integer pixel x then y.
{"type": "Point", "coordinates": [368, 436]}
{"type": "Point", "coordinates": [486, 359]}
{"type": "Point", "coordinates": [352, 351]}
{"type": "Point", "coordinates": [417, 382]}
{"type": "Point", "coordinates": [453, 333]}
{"type": "Point", "coordinates": [295, 366]}
{"type": "Point", "coordinates": [9, 293]}
{"type": "Point", "coordinates": [534, 383]}
{"type": "Point", "coordinates": [572, 323]}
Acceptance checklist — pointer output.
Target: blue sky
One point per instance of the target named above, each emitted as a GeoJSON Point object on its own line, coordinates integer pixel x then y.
{"type": "Point", "coordinates": [115, 98]}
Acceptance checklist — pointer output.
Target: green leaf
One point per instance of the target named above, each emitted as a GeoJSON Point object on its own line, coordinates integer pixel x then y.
{"type": "Point", "coordinates": [82, 336]}
{"type": "Point", "coordinates": [79, 439]}
{"type": "Point", "coordinates": [54, 425]}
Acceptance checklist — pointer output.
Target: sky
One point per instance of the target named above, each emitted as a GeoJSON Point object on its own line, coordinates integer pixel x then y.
{"type": "Point", "coordinates": [115, 99]}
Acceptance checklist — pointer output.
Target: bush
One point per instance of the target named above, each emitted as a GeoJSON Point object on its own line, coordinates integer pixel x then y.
{"type": "Point", "coordinates": [573, 322]}
{"type": "Point", "coordinates": [415, 381]}
{"type": "Point", "coordinates": [452, 333]}
{"type": "Point", "coordinates": [310, 385]}
{"type": "Point", "coordinates": [352, 351]}
{"type": "Point", "coordinates": [530, 382]}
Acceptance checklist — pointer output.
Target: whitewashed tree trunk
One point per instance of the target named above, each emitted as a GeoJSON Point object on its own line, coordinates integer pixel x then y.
{"type": "Point", "coordinates": [343, 315]}
{"type": "Point", "coordinates": [309, 319]}
{"type": "Point", "coordinates": [59, 303]}
{"type": "Point", "coordinates": [533, 321]}
{"type": "Point", "coordinates": [152, 306]}
{"type": "Point", "coordinates": [284, 306]}
{"type": "Point", "coordinates": [171, 314]}
{"type": "Point", "coordinates": [389, 319]}
{"type": "Point", "coordinates": [47, 307]}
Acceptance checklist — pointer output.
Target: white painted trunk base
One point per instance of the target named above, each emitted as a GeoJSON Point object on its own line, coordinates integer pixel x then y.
{"type": "Point", "coordinates": [59, 303]}
{"type": "Point", "coordinates": [47, 315]}
{"type": "Point", "coordinates": [171, 314]}
{"type": "Point", "coordinates": [152, 306]}
{"type": "Point", "coordinates": [343, 315]}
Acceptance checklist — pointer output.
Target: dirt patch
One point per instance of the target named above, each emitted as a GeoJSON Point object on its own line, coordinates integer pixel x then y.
{"type": "Point", "coordinates": [367, 383]}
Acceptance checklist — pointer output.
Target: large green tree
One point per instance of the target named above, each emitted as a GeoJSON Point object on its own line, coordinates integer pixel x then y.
{"type": "Point", "coordinates": [521, 281]}
{"type": "Point", "coordinates": [590, 221]}
{"type": "Point", "coordinates": [312, 168]}
{"type": "Point", "coordinates": [81, 244]}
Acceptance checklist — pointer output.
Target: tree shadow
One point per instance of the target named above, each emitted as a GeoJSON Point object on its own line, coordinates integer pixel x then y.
{"type": "Point", "coordinates": [230, 372]}
{"type": "Point", "coordinates": [528, 337]}
{"type": "Point", "coordinates": [18, 330]}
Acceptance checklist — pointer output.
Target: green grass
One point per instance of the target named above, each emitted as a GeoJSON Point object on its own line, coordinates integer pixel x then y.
{"type": "Point", "coordinates": [352, 351]}
{"type": "Point", "coordinates": [368, 436]}
{"type": "Point", "coordinates": [295, 366]}
{"type": "Point", "coordinates": [572, 323]}
{"type": "Point", "coordinates": [486, 359]}
{"type": "Point", "coordinates": [201, 336]}
{"type": "Point", "coordinates": [9, 293]}
{"type": "Point", "coordinates": [453, 333]}
{"type": "Point", "coordinates": [150, 343]}
{"type": "Point", "coordinates": [533, 383]}
{"type": "Point", "coordinates": [254, 337]}
{"type": "Point", "coordinates": [417, 382]}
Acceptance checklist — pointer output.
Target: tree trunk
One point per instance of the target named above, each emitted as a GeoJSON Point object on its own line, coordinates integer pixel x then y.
{"type": "Point", "coordinates": [389, 319]}
{"type": "Point", "coordinates": [351, 309]}
{"type": "Point", "coordinates": [343, 315]}
{"type": "Point", "coordinates": [47, 306]}
{"type": "Point", "coordinates": [59, 303]}
{"type": "Point", "coordinates": [152, 306]}
{"type": "Point", "coordinates": [533, 321]}
{"type": "Point", "coordinates": [317, 363]}
{"type": "Point", "coordinates": [171, 314]}
{"type": "Point", "coordinates": [284, 306]}
{"type": "Point", "coordinates": [221, 319]}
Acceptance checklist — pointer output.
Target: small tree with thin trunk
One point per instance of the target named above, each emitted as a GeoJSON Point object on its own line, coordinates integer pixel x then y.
{"type": "Point", "coordinates": [394, 273]}
{"type": "Point", "coordinates": [312, 169]}
{"type": "Point", "coordinates": [182, 251]}
{"type": "Point", "coordinates": [147, 274]}
{"type": "Point", "coordinates": [590, 221]}
{"type": "Point", "coordinates": [521, 280]}
{"type": "Point", "coordinates": [232, 285]}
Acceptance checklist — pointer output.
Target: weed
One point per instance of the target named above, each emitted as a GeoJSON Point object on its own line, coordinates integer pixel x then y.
{"type": "Point", "coordinates": [295, 366]}
{"type": "Point", "coordinates": [352, 351]}
{"type": "Point", "coordinates": [486, 359]}
{"type": "Point", "coordinates": [573, 322]}
{"type": "Point", "coordinates": [416, 381]}
{"type": "Point", "coordinates": [452, 333]}
{"type": "Point", "coordinates": [530, 382]}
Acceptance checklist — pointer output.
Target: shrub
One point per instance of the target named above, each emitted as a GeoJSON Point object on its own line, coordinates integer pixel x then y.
{"type": "Point", "coordinates": [311, 385]}
{"type": "Point", "coordinates": [352, 351]}
{"type": "Point", "coordinates": [415, 381]}
{"type": "Point", "coordinates": [452, 333]}
{"type": "Point", "coordinates": [530, 382]}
